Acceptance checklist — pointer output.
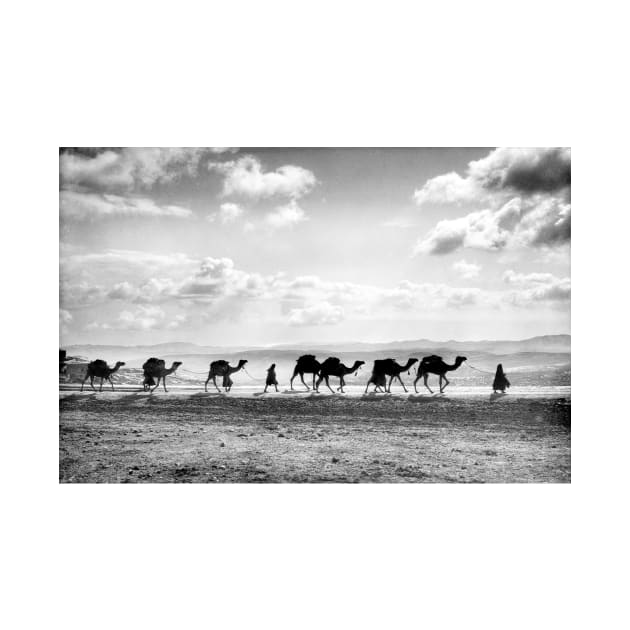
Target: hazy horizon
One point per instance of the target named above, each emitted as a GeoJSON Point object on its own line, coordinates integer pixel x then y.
{"type": "Point", "coordinates": [262, 247]}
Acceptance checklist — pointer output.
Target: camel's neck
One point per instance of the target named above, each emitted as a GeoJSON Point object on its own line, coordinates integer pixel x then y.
{"type": "Point", "coordinates": [450, 368]}
{"type": "Point", "coordinates": [349, 370]}
{"type": "Point", "coordinates": [231, 370]}
{"type": "Point", "coordinates": [115, 368]}
{"type": "Point", "coordinates": [406, 367]}
{"type": "Point", "coordinates": [170, 370]}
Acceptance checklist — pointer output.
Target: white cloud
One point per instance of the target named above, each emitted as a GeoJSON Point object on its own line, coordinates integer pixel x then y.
{"type": "Point", "coordinates": [80, 205]}
{"type": "Point", "coordinates": [228, 213]}
{"type": "Point", "coordinates": [506, 171]}
{"type": "Point", "coordinates": [466, 270]}
{"type": "Point", "coordinates": [142, 319]}
{"type": "Point", "coordinates": [127, 169]}
{"type": "Point", "coordinates": [527, 192]}
{"type": "Point", "coordinates": [516, 223]}
{"type": "Point", "coordinates": [246, 177]}
{"type": "Point", "coordinates": [321, 314]}
{"type": "Point", "coordinates": [537, 287]}
{"type": "Point", "coordinates": [286, 216]}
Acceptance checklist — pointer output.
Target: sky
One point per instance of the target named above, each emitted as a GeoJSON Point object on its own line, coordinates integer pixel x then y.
{"type": "Point", "coordinates": [253, 246]}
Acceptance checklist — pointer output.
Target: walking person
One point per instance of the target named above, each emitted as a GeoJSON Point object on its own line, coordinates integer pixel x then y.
{"type": "Point", "coordinates": [271, 378]}
{"type": "Point", "coordinates": [500, 380]}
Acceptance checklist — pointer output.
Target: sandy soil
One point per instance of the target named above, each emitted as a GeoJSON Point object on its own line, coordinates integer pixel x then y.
{"type": "Point", "coordinates": [195, 437]}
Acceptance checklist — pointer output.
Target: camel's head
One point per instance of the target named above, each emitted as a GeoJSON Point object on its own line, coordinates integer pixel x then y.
{"type": "Point", "coordinates": [357, 366]}
{"type": "Point", "coordinates": [460, 360]}
{"type": "Point", "coordinates": [119, 364]}
{"type": "Point", "coordinates": [410, 362]}
{"type": "Point", "coordinates": [176, 364]}
{"type": "Point", "coordinates": [242, 362]}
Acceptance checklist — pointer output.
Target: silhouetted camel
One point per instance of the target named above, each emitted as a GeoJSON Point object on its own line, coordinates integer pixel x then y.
{"type": "Point", "coordinates": [224, 369]}
{"type": "Point", "coordinates": [435, 365]}
{"type": "Point", "coordinates": [332, 366]}
{"type": "Point", "coordinates": [156, 368]}
{"type": "Point", "coordinates": [99, 369]}
{"type": "Point", "coordinates": [306, 364]}
{"type": "Point", "coordinates": [388, 367]}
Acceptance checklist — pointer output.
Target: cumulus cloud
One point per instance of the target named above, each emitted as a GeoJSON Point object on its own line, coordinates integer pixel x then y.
{"type": "Point", "coordinates": [247, 178]}
{"type": "Point", "coordinates": [537, 287]}
{"type": "Point", "coordinates": [80, 205]}
{"type": "Point", "coordinates": [520, 223]}
{"type": "Point", "coordinates": [466, 270]}
{"type": "Point", "coordinates": [127, 169]}
{"type": "Point", "coordinates": [527, 192]}
{"type": "Point", "coordinates": [228, 213]}
{"type": "Point", "coordinates": [141, 319]}
{"type": "Point", "coordinates": [505, 170]}
{"type": "Point", "coordinates": [321, 314]}
{"type": "Point", "coordinates": [286, 216]}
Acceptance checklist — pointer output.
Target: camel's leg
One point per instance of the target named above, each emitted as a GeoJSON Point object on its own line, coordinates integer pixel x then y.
{"type": "Point", "coordinates": [418, 377]}
{"type": "Point", "coordinates": [328, 384]}
{"type": "Point", "coordinates": [156, 385]}
{"type": "Point", "coordinates": [366, 387]}
{"type": "Point", "coordinates": [111, 382]}
{"type": "Point", "coordinates": [319, 382]}
{"type": "Point", "coordinates": [447, 382]}
{"type": "Point", "coordinates": [305, 385]}
{"type": "Point", "coordinates": [85, 379]}
{"type": "Point", "coordinates": [214, 380]}
{"type": "Point", "coordinates": [295, 373]}
{"type": "Point", "coordinates": [403, 385]}
{"type": "Point", "coordinates": [426, 377]}
{"type": "Point", "coordinates": [101, 387]}
{"type": "Point", "coordinates": [164, 383]}
{"type": "Point", "coordinates": [314, 375]}
{"type": "Point", "coordinates": [388, 389]}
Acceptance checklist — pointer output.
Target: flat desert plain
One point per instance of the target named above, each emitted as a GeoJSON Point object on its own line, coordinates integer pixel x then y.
{"type": "Point", "coordinates": [187, 436]}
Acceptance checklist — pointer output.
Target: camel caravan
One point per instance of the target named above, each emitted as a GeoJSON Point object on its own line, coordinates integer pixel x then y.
{"type": "Point", "coordinates": [155, 370]}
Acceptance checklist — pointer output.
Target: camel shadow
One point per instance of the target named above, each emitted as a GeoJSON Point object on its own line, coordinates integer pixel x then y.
{"type": "Point", "coordinates": [296, 391]}
{"type": "Point", "coordinates": [81, 396]}
{"type": "Point", "coordinates": [140, 395]}
{"type": "Point", "coordinates": [375, 396]}
{"type": "Point", "coordinates": [423, 398]}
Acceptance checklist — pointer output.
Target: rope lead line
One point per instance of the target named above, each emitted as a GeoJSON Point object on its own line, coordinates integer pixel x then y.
{"type": "Point", "coordinates": [478, 370]}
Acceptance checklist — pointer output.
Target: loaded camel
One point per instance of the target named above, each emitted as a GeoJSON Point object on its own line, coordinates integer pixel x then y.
{"type": "Point", "coordinates": [388, 367]}
{"type": "Point", "coordinates": [156, 368]}
{"type": "Point", "coordinates": [306, 364]}
{"type": "Point", "coordinates": [332, 366]}
{"type": "Point", "coordinates": [435, 365]}
{"type": "Point", "coordinates": [100, 369]}
{"type": "Point", "coordinates": [224, 369]}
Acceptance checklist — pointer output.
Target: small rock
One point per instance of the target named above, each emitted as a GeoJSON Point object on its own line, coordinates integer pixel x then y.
{"type": "Point", "coordinates": [222, 444]}
{"type": "Point", "coordinates": [334, 460]}
{"type": "Point", "coordinates": [281, 435]}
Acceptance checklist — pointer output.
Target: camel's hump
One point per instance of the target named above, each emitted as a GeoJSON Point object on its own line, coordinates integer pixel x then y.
{"type": "Point", "coordinates": [98, 363]}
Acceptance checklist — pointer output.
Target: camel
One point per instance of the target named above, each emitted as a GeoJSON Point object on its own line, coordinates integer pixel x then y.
{"type": "Point", "coordinates": [388, 367]}
{"type": "Point", "coordinates": [435, 365]}
{"type": "Point", "coordinates": [100, 369]}
{"type": "Point", "coordinates": [156, 368]}
{"type": "Point", "coordinates": [332, 366]}
{"type": "Point", "coordinates": [306, 364]}
{"type": "Point", "coordinates": [224, 369]}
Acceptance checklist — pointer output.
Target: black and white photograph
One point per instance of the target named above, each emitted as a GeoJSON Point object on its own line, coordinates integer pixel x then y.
{"type": "Point", "coordinates": [331, 346]}
{"type": "Point", "coordinates": [315, 315]}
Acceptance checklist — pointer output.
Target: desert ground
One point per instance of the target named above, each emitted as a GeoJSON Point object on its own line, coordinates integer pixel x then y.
{"type": "Point", "coordinates": [129, 436]}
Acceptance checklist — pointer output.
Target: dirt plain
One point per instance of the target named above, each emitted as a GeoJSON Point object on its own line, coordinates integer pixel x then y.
{"type": "Point", "coordinates": [211, 438]}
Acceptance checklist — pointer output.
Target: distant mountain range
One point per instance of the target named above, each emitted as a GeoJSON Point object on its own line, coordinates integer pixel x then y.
{"type": "Point", "coordinates": [556, 344]}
